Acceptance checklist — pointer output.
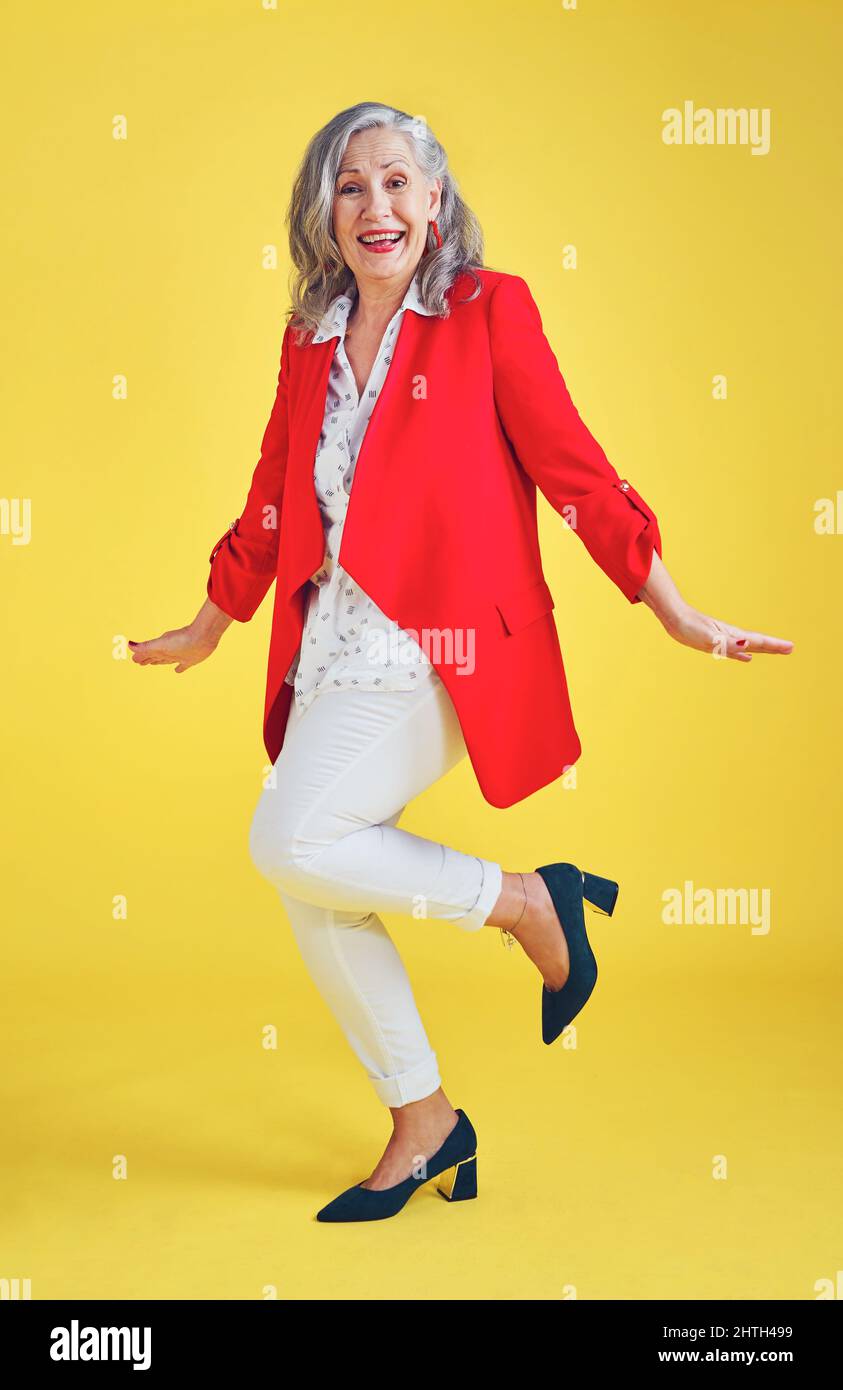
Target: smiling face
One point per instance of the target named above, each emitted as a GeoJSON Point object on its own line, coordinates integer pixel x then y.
{"type": "Point", "coordinates": [380, 189]}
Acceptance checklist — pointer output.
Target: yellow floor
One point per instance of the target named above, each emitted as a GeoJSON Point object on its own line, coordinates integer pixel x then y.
{"type": "Point", "coordinates": [595, 1164]}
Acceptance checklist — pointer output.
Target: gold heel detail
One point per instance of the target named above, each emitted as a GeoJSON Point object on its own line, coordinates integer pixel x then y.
{"type": "Point", "coordinates": [447, 1181]}
{"type": "Point", "coordinates": [595, 908]}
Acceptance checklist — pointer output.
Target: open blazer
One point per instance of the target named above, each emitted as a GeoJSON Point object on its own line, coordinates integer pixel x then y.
{"type": "Point", "coordinates": [441, 526]}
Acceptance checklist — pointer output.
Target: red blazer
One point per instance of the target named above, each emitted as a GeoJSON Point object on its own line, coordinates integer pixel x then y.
{"type": "Point", "coordinates": [441, 525]}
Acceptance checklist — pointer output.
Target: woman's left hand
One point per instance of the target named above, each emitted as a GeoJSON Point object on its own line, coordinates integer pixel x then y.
{"type": "Point", "coordinates": [707, 634]}
{"type": "Point", "coordinates": [694, 629]}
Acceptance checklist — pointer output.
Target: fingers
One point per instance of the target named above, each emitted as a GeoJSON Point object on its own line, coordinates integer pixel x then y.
{"type": "Point", "coordinates": [153, 658]}
{"type": "Point", "coordinates": [150, 653]}
{"type": "Point", "coordinates": [746, 641]}
{"type": "Point", "coordinates": [722, 640]}
{"type": "Point", "coordinates": [143, 653]}
{"type": "Point", "coordinates": [157, 649]}
{"type": "Point", "coordinates": [740, 643]}
{"type": "Point", "coordinates": [737, 646]}
{"type": "Point", "coordinates": [146, 654]}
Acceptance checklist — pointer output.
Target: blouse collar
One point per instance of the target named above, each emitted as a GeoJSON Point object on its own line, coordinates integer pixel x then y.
{"type": "Point", "coordinates": [334, 320]}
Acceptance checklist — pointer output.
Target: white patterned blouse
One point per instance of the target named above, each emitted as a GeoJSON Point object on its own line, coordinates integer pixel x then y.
{"type": "Point", "coordinates": [347, 641]}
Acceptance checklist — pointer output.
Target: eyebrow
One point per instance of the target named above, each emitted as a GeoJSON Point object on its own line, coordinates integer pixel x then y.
{"type": "Point", "coordinates": [387, 165]}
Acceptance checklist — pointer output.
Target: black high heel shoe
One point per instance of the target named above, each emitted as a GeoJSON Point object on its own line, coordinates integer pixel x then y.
{"type": "Point", "coordinates": [570, 890]}
{"type": "Point", "coordinates": [454, 1163]}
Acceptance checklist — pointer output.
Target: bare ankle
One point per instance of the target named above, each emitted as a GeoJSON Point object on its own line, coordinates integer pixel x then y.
{"type": "Point", "coordinates": [420, 1115]}
{"type": "Point", "coordinates": [523, 900]}
{"type": "Point", "coordinates": [512, 903]}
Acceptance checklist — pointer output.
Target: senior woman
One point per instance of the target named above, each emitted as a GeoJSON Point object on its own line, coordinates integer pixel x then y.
{"type": "Point", "coordinates": [413, 625]}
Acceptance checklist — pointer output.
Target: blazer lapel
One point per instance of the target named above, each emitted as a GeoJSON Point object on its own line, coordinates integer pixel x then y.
{"type": "Point", "coordinates": [401, 352]}
{"type": "Point", "coordinates": [305, 539]}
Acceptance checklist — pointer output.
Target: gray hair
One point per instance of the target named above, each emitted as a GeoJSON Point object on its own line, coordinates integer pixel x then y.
{"type": "Point", "coordinates": [319, 271]}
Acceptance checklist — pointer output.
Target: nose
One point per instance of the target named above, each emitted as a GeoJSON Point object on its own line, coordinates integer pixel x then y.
{"type": "Point", "coordinates": [377, 206]}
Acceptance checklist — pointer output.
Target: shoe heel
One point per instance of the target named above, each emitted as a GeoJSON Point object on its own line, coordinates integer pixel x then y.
{"type": "Point", "coordinates": [600, 894]}
{"type": "Point", "coordinates": [459, 1183]}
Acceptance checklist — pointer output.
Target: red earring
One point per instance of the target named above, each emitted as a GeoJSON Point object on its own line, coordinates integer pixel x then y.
{"type": "Point", "coordinates": [437, 234]}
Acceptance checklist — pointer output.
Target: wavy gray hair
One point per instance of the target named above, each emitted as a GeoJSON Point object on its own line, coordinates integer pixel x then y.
{"type": "Point", "coordinates": [319, 271]}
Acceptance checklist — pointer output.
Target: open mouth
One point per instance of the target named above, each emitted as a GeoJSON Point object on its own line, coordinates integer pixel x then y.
{"type": "Point", "coordinates": [380, 243]}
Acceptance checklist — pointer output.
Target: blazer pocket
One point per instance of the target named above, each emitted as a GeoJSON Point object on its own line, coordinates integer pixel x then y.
{"type": "Point", "coordinates": [523, 605]}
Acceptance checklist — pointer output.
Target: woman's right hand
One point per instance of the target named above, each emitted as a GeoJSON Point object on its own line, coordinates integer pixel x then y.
{"type": "Point", "coordinates": [186, 646]}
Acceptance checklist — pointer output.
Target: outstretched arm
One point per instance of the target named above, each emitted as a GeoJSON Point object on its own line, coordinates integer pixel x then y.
{"type": "Point", "coordinates": [616, 525]}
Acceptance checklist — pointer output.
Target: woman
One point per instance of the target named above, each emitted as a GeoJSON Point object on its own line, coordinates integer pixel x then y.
{"type": "Point", "coordinates": [415, 625]}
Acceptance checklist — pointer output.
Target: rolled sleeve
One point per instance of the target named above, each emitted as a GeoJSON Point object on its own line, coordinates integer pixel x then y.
{"type": "Point", "coordinates": [620, 532]}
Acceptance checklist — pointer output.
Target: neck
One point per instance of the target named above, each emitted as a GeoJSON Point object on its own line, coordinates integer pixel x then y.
{"type": "Point", "coordinates": [376, 303]}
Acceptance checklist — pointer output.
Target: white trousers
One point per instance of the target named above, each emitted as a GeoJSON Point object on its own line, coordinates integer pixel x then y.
{"type": "Point", "coordinates": [325, 834]}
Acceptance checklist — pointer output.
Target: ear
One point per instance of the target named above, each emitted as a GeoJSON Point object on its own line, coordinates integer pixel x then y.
{"type": "Point", "coordinates": [435, 200]}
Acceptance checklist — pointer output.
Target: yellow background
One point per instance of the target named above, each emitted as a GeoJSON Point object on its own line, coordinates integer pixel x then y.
{"type": "Point", "coordinates": [143, 1037]}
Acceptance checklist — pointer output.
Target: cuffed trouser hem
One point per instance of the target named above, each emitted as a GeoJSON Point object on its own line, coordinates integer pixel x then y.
{"type": "Point", "coordinates": [490, 891]}
{"type": "Point", "coordinates": [417, 1084]}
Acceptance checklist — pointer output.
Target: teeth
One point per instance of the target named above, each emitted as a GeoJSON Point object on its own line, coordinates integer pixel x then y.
{"type": "Point", "coordinates": [381, 236]}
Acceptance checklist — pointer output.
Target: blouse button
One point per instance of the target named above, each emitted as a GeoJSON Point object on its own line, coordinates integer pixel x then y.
{"type": "Point", "coordinates": [624, 485]}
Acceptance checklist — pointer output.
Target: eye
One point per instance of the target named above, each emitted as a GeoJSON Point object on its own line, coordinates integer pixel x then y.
{"type": "Point", "coordinates": [349, 188]}
{"type": "Point", "coordinates": [399, 180]}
